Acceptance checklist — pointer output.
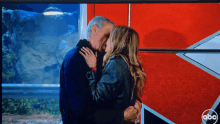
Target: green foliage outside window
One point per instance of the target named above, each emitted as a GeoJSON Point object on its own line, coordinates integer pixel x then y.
{"type": "Point", "coordinates": [28, 106]}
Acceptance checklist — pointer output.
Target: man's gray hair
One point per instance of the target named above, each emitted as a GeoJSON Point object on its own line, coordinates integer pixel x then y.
{"type": "Point", "coordinates": [99, 21]}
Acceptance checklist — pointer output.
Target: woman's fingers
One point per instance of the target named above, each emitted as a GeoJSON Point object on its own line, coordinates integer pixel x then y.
{"type": "Point", "coordinates": [87, 50]}
{"type": "Point", "coordinates": [90, 51]}
{"type": "Point", "coordinates": [137, 121]}
{"type": "Point", "coordinates": [96, 55]}
{"type": "Point", "coordinates": [84, 51]}
{"type": "Point", "coordinates": [82, 54]}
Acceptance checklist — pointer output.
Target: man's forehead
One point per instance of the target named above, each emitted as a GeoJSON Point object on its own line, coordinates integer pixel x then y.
{"type": "Point", "coordinates": [107, 26]}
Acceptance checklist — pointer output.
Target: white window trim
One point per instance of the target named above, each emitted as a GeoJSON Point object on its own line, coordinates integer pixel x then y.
{"type": "Point", "coordinates": [83, 21]}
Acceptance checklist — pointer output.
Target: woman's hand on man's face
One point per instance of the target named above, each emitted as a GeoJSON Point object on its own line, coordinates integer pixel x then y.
{"type": "Point", "coordinates": [90, 57]}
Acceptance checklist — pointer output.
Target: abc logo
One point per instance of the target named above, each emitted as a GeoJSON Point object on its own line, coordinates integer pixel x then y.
{"type": "Point", "coordinates": [206, 116]}
{"type": "Point", "coordinates": [209, 117]}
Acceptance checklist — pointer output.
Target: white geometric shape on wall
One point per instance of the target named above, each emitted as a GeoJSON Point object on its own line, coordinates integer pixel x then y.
{"type": "Point", "coordinates": [209, 62]}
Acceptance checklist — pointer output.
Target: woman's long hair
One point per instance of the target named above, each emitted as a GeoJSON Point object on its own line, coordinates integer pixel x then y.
{"type": "Point", "coordinates": [125, 42]}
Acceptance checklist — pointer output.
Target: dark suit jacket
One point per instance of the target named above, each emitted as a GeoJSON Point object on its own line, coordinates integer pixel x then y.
{"type": "Point", "coordinates": [76, 105]}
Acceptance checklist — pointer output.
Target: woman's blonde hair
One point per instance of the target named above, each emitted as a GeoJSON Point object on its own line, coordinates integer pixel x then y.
{"type": "Point", "coordinates": [125, 42]}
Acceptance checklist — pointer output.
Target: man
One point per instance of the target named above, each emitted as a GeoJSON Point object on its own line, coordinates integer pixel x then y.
{"type": "Point", "coordinates": [76, 104]}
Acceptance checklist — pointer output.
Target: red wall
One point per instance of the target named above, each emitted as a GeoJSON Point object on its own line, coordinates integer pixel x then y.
{"type": "Point", "coordinates": [174, 88]}
{"type": "Point", "coordinates": [174, 25]}
{"type": "Point", "coordinates": [177, 89]}
{"type": "Point", "coordinates": [117, 13]}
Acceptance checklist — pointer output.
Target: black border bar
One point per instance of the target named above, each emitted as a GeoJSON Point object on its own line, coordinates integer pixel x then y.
{"type": "Point", "coordinates": [110, 1]}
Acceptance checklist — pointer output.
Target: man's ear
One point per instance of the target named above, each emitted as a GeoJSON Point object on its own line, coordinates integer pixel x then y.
{"type": "Point", "coordinates": [94, 29]}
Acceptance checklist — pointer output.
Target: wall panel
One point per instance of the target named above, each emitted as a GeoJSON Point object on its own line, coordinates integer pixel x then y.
{"type": "Point", "coordinates": [174, 25]}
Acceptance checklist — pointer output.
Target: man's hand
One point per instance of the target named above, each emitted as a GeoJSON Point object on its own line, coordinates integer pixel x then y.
{"type": "Point", "coordinates": [138, 106]}
{"type": "Point", "coordinates": [130, 114]}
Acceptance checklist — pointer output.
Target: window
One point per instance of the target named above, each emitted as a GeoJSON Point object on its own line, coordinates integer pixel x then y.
{"type": "Point", "coordinates": [34, 43]}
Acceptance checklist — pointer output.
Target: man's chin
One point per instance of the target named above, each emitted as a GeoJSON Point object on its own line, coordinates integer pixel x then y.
{"type": "Point", "coordinates": [101, 50]}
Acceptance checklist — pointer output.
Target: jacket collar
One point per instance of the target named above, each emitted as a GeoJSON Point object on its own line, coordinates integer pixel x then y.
{"type": "Point", "coordinates": [85, 43]}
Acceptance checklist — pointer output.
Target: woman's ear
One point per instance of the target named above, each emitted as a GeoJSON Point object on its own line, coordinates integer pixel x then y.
{"type": "Point", "coordinates": [94, 29]}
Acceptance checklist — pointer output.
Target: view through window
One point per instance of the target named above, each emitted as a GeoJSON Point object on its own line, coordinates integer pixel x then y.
{"type": "Point", "coordinates": [35, 39]}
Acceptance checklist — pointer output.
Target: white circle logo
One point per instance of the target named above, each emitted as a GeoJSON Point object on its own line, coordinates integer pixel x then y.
{"type": "Point", "coordinates": [207, 117]}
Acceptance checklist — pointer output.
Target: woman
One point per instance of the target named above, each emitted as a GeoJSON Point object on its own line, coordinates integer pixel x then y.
{"type": "Point", "coordinates": [123, 76]}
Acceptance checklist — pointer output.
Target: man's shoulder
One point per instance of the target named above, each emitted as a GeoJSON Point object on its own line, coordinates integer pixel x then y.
{"type": "Point", "coordinates": [72, 53]}
{"type": "Point", "coordinates": [72, 61]}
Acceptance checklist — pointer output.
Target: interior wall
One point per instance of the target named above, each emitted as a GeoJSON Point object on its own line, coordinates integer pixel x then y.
{"type": "Point", "coordinates": [117, 13]}
{"type": "Point", "coordinates": [174, 87]}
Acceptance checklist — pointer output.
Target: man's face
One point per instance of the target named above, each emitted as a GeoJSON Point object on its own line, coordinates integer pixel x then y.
{"type": "Point", "coordinates": [101, 36]}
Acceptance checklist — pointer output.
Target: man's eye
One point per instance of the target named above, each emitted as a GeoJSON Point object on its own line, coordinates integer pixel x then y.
{"type": "Point", "coordinates": [107, 36]}
{"type": "Point", "coordinates": [104, 46]}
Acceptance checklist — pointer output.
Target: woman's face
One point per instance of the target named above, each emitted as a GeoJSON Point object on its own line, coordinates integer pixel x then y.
{"type": "Point", "coordinates": [108, 45]}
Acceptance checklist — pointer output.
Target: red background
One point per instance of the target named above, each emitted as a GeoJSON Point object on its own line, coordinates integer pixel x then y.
{"type": "Point", "coordinates": [175, 88]}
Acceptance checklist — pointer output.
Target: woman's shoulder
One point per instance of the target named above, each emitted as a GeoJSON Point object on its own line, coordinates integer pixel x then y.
{"type": "Point", "coordinates": [114, 61]}
{"type": "Point", "coordinates": [116, 57]}
{"type": "Point", "coordinates": [118, 61]}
